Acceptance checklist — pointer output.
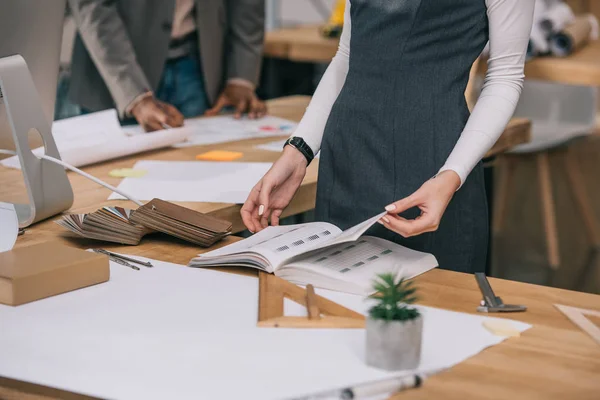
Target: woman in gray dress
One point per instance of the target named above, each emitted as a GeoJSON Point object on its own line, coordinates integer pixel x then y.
{"type": "Point", "coordinates": [390, 114]}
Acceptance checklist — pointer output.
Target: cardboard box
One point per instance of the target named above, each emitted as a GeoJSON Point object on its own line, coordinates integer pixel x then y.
{"type": "Point", "coordinates": [47, 269]}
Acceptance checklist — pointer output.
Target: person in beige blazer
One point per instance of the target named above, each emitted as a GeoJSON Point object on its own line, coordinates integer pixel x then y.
{"type": "Point", "coordinates": [158, 61]}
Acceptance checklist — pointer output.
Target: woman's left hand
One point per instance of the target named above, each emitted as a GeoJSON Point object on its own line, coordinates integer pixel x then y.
{"type": "Point", "coordinates": [432, 199]}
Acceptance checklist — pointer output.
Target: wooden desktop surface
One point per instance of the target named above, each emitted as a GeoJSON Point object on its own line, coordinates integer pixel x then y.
{"type": "Point", "coordinates": [554, 359]}
{"type": "Point", "coordinates": [306, 44]}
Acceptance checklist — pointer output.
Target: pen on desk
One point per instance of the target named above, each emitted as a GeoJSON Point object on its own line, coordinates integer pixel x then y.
{"type": "Point", "coordinates": [166, 126]}
{"type": "Point", "coordinates": [124, 263]}
{"type": "Point", "coordinates": [122, 257]}
{"type": "Point", "coordinates": [385, 386]}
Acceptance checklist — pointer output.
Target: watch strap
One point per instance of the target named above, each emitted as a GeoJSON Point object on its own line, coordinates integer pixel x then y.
{"type": "Point", "coordinates": [299, 144]}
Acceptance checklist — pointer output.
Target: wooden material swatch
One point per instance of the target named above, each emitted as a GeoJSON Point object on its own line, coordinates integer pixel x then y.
{"type": "Point", "coordinates": [322, 313]}
{"type": "Point", "coordinates": [181, 222]}
{"type": "Point", "coordinates": [109, 224]}
{"type": "Point", "coordinates": [47, 269]}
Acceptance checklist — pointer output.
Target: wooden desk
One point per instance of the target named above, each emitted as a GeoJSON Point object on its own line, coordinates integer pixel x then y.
{"type": "Point", "coordinates": [305, 44]}
{"type": "Point", "coordinates": [581, 68]}
{"type": "Point", "coordinates": [301, 43]}
{"type": "Point", "coordinates": [552, 360]}
{"type": "Point", "coordinates": [89, 196]}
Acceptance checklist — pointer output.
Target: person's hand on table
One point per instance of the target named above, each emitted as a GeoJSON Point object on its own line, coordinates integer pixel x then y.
{"type": "Point", "coordinates": [274, 191]}
{"type": "Point", "coordinates": [153, 114]}
{"type": "Point", "coordinates": [242, 98]}
{"type": "Point", "coordinates": [432, 199]}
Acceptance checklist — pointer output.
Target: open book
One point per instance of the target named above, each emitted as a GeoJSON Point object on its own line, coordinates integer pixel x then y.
{"type": "Point", "coordinates": [321, 254]}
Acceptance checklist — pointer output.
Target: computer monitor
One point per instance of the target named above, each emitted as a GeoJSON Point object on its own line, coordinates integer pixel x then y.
{"type": "Point", "coordinates": [33, 29]}
{"type": "Point", "coordinates": [30, 41]}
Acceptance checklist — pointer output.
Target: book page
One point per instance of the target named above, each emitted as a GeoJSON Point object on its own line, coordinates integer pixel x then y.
{"type": "Point", "coordinates": [357, 231]}
{"type": "Point", "coordinates": [356, 263]}
{"type": "Point", "coordinates": [280, 243]}
{"type": "Point", "coordinates": [351, 234]}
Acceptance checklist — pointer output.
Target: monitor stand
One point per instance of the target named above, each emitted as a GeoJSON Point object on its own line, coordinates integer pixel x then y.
{"type": "Point", "coordinates": [48, 187]}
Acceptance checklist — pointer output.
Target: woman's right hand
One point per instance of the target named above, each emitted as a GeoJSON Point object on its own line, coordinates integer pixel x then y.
{"type": "Point", "coordinates": [274, 191]}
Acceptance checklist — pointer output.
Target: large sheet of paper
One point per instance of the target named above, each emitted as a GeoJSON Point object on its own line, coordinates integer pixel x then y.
{"type": "Point", "coordinates": [177, 332]}
{"type": "Point", "coordinates": [228, 129]}
{"type": "Point", "coordinates": [202, 181]}
{"type": "Point", "coordinates": [97, 137]}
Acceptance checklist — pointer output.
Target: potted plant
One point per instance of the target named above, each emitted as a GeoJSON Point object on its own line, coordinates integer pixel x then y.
{"type": "Point", "coordinates": [394, 328]}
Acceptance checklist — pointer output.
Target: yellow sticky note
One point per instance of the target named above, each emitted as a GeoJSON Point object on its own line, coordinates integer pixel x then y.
{"type": "Point", "coordinates": [501, 328]}
{"type": "Point", "coordinates": [219, 155]}
{"type": "Point", "coordinates": [127, 173]}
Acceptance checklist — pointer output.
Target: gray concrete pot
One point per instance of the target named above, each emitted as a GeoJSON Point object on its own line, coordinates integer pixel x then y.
{"type": "Point", "coordinates": [394, 345]}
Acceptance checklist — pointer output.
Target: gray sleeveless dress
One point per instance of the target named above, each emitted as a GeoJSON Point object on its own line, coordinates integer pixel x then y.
{"type": "Point", "coordinates": [398, 117]}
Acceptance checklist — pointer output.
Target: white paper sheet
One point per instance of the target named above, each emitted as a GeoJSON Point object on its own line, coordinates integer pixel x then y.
{"type": "Point", "coordinates": [173, 331]}
{"type": "Point", "coordinates": [227, 129]}
{"type": "Point", "coordinates": [97, 137]}
{"type": "Point", "coordinates": [276, 146]}
{"type": "Point", "coordinates": [202, 181]}
{"type": "Point", "coordinates": [9, 226]}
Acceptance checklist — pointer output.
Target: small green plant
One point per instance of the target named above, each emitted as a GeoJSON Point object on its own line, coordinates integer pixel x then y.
{"type": "Point", "coordinates": [393, 299]}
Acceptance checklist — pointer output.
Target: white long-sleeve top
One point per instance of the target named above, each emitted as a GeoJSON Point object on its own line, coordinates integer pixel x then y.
{"type": "Point", "coordinates": [510, 24]}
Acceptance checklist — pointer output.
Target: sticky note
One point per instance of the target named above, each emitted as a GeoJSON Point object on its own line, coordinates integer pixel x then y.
{"type": "Point", "coordinates": [501, 328]}
{"type": "Point", "coordinates": [127, 173]}
{"type": "Point", "coordinates": [219, 155]}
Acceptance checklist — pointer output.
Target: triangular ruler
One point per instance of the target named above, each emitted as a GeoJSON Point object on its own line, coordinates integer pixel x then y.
{"type": "Point", "coordinates": [322, 313]}
{"type": "Point", "coordinates": [578, 317]}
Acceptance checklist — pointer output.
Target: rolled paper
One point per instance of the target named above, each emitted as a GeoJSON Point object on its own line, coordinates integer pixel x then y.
{"type": "Point", "coordinates": [556, 18]}
{"type": "Point", "coordinates": [572, 37]}
{"type": "Point", "coordinates": [538, 43]}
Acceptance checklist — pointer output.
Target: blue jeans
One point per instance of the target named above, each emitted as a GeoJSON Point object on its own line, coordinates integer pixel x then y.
{"type": "Point", "coordinates": [182, 85]}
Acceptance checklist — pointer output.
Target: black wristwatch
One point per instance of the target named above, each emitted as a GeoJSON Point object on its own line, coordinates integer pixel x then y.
{"type": "Point", "coordinates": [299, 144]}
